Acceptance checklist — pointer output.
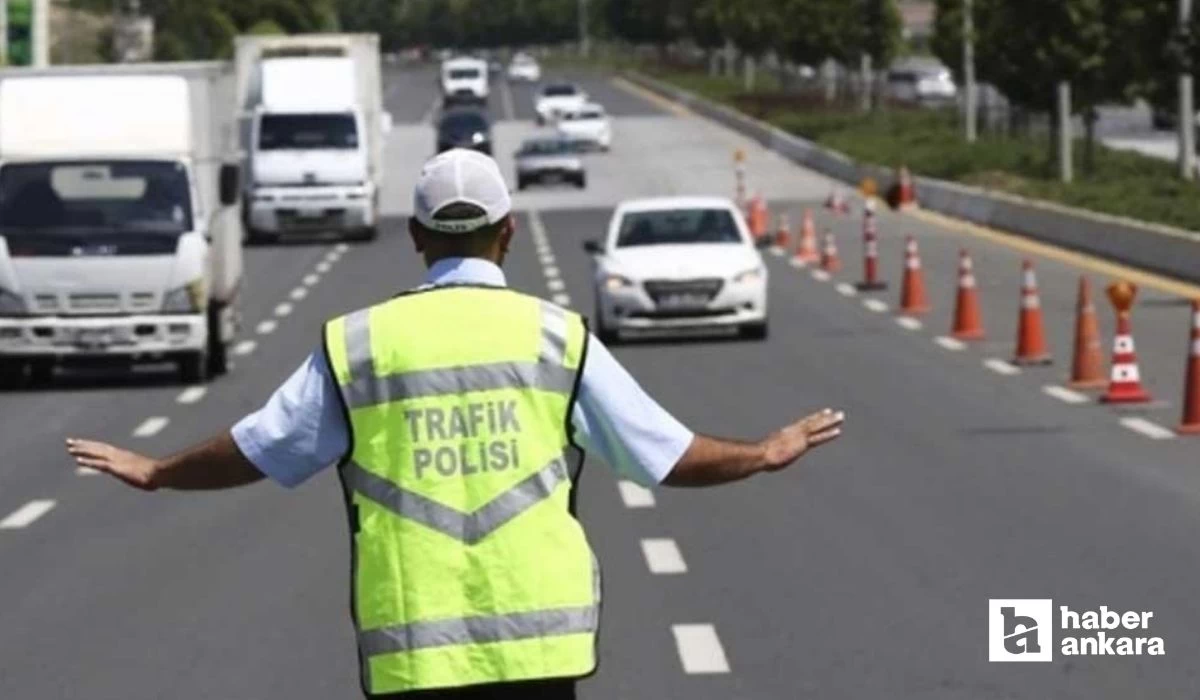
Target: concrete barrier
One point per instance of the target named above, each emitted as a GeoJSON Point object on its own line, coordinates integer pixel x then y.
{"type": "Point", "coordinates": [1162, 249]}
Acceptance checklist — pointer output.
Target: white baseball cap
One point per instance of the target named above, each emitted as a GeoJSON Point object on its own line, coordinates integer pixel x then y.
{"type": "Point", "coordinates": [460, 176]}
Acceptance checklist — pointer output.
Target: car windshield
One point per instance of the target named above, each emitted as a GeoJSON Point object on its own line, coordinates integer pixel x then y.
{"type": "Point", "coordinates": [307, 131]}
{"type": "Point", "coordinates": [546, 147]}
{"type": "Point", "coordinates": [95, 197]}
{"type": "Point", "coordinates": [560, 91]}
{"type": "Point", "coordinates": [464, 73]}
{"type": "Point", "coordinates": [677, 226]}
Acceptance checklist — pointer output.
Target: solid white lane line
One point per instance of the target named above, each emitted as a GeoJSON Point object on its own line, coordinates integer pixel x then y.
{"type": "Point", "coordinates": [245, 347]}
{"type": "Point", "coordinates": [1064, 394]}
{"type": "Point", "coordinates": [310, 280]}
{"type": "Point", "coordinates": [819, 275]}
{"type": "Point", "coordinates": [191, 395]}
{"type": "Point", "coordinates": [551, 271]}
{"type": "Point", "coordinates": [1001, 367]}
{"type": "Point", "coordinates": [555, 284]}
{"type": "Point", "coordinates": [950, 343]}
{"type": "Point", "coordinates": [700, 650]}
{"type": "Point", "coordinates": [562, 299]}
{"type": "Point", "coordinates": [1149, 429]}
{"type": "Point", "coordinates": [324, 266]}
{"type": "Point", "coordinates": [846, 290]}
{"type": "Point", "coordinates": [875, 305]}
{"type": "Point", "coordinates": [908, 322]}
{"type": "Point", "coordinates": [26, 514]}
{"type": "Point", "coordinates": [151, 427]}
{"type": "Point", "coordinates": [298, 293]}
{"type": "Point", "coordinates": [663, 556]}
{"type": "Point", "coordinates": [283, 309]}
{"type": "Point", "coordinates": [267, 327]}
{"type": "Point", "coordinates": [634, 496]}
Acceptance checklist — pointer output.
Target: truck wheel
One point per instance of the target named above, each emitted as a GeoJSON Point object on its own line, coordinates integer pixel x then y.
{"type": "Point", "coordinates": [581, 182]}
{"type": "Point", "coordinates": [369, 233]}
{"type": "Point", "coordinates": [193, 368]}
{"type": "Point", "coordinates": [522, 183]}
{"type": "Point", "coordinates": [755, 331]}
{"type": "Point", "coordinates": [218, 351]}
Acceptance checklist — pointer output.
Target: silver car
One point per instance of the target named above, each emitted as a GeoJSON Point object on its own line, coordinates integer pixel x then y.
{"type": "Point", "coordinates": [550, 160]}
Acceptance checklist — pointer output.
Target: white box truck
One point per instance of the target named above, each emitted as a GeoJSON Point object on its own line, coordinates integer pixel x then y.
{"type": "Point", "coordinates": [120, 236]}
{"type": "Point", "coordinates": [464, 80]}
{"type": "Point", "coordinates": [313, 128]}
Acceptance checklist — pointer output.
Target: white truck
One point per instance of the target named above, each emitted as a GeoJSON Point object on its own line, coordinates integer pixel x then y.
{"type": "Point", "coordinates": [464, 80]}
{"type": "Point", "coordinates": [120, 236]}
{"type": "Point", "coordinates": [312, 129]}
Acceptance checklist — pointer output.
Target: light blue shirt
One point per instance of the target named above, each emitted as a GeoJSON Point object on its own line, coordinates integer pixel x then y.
{"type": "Point", "coordinates": [301, 430]}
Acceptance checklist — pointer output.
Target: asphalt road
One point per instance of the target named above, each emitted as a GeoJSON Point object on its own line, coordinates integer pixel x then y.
{"type": "Point", "coordinates": [865, 572]}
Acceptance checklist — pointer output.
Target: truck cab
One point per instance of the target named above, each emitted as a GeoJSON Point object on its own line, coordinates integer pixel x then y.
{"type": "Point", "coordinates": [464, 80]}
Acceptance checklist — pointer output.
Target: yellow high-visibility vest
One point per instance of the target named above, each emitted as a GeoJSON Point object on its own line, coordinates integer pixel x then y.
{"type": "Point", "coordinates": [468, 564]}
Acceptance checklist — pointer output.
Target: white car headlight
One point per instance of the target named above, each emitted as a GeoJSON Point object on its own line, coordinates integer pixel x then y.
{"type": "Point", "coordinates": [190, 298]}
{"type": "Point", "coordinates": [615, 282]}
{"type": "Point", "coordinates": [749, 276]}
{"type": "Point", "coordinates": [12, 304]}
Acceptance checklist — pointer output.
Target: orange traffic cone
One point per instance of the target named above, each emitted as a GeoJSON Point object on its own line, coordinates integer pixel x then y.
{"type": "Point", "coordinates": [912, 293]}
{"type": "Point", "coordinates": [968, 323]}
{"type": "Point", "coordinates": [806, 248]}
{"type": "Point", "coordinates": [1087, 367]}
{"type": "Point", "coordinates": [1031, 333]}
{"type": "Point", "coordinates": [907, 198]}
{"type": "Point", "coordinates": [758, 217]}
{"type": "Point", "coordinates": [1125, 381]}
{"type": "Point", "coordinates": [783, 233]}
{"type": "Point", "coordinates": [1191, 391]}
{"type": "Point", "coordinates": [829, 255]}
{"type": "Point", "coordinates": [871, 281]}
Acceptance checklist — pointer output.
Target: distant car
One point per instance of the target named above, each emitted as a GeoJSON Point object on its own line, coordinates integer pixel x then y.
{"type": "Point", "coordinates": [675, 263]}
{"type": "Point", "coordinates": [933, 87]}
{"type": "Point", "coordinates": [464, 127]}
{"type": "Point", "coordinates": [549, 159]}
{"type": "Point", "coordinates": [588, 125]}
{"type": "Point", "coordinates": [464, 79]}
{"type": "Point", "coordinates": [524, 68]}
{"type": "Point", "coordinates": [555, 99]}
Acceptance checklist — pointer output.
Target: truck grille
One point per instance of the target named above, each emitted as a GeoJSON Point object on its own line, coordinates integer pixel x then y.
{"type": "Point", "coordinates": [93, 303]}
{"type": "Point", "coordinates": [695, 292]}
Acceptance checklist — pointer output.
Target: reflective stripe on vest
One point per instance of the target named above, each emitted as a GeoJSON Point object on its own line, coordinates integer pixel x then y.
{"type": "Point", "coordinates": [465, 573]}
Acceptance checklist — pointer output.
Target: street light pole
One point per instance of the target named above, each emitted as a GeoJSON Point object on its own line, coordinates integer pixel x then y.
{"type": "Point", "coordinates": [1187, 110]}
{"type": "Point", "coordinates": [972, 110]}
{"type": "Point", "coordinates": [39, 38]}
{"type": "Point", "coordinates": [584, 39]}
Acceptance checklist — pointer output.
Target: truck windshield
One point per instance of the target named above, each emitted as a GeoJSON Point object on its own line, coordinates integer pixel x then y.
{"type": "Point", "coordinates": [307, 131]}
{"type": "Point", "coordinates": [102, 197]}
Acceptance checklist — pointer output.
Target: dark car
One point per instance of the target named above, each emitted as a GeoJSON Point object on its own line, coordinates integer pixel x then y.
{"type": "Point", "coordinates": [464, 128]}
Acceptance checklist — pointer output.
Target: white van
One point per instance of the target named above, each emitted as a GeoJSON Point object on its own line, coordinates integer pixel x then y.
{"type": "Point", "coordinates": [464, 79]}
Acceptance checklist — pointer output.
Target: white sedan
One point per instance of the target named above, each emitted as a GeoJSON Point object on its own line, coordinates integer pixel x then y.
{"type": "Point", "coordinates": [676, 263]}
{"type": "Point", "coordinates": [556, 99]}
{"type": "Point", "coordinates": [588, 125]}
{"type": "Point", "coordinates": [524, 68]}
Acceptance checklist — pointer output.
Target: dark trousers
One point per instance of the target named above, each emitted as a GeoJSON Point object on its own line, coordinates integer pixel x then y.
{"type": "Point", "coordinates": [531, 690]}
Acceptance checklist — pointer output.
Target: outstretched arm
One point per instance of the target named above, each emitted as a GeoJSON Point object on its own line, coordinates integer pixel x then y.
{"type": "Point", "coordinates": [215, 464]}
{"type": "Point", "coordinates": [711, 461]}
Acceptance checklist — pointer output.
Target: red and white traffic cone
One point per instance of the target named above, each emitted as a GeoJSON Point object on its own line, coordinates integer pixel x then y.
{"type": "Point", "coordinates": [968, 321]}
{"type": "Point", "coordinates": [1190, 425]}
{"type": "Point", "coordinates": [783, 233]}
{"type": "Point", "coordinates": [1125, 382]}
{"type": "Point", "coordinates": [871, 281]}
{"type": "Point", "coordinates": [806, 248]}
{"type": "Point", "coordinates": [830, 262]}
{"type": "Point", "coordinates": [1031, 333]}
{"type": "Point", "coordinates": [913, 301]}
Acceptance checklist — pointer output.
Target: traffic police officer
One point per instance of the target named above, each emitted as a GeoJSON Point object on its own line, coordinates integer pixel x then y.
{"type": "Point", "coordinates": [456, 413]}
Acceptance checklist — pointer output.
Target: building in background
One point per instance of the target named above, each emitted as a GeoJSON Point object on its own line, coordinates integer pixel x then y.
{"type": "Point", "coordinates": [917, 21]}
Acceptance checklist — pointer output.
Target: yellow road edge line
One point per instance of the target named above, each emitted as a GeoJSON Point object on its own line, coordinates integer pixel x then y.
{"type": "Point", "coordinates": [663, 102]}
{"type": "Point", "coordinates": [1071, 257]}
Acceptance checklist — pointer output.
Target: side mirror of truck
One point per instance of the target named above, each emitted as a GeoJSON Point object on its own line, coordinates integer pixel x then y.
{"type": "Point", "coordinates": [229, 184]}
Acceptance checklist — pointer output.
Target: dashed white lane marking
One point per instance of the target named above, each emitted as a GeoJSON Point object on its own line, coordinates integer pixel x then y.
{"type": "Point", "coordinates": [332, 256]}
{"type": "Point", "coordinates": [1152, 430]}
{"type": "Point", "coordinates": [310, 280]}
{"type": "Point", "coordinates": [283, 309]}
{"type": "Point", "coordinates": [298, 293]}
{"type": "Point", "coordinates": [1001, 367]}
{"type": "Point", "coordinates": [555, 284]}
{"type": "Point", "coordinates": [245, 347]}
{"type": "Point", "coordinates": [26, 514]}
{"type": "Point", "coordinates": [191, 395]}
{"type": "Point", "coordinates": [950, 343]}
{"type": "Point", "coordinates": [635, 496]}
{"type": "Point", "coordinates": [551, 271]}
{"type": "Point", "coordinates": [909, 323]}
{"type": "Point", "coordinates": [820, 275]}
{"type": "Point", "coordinates": [1064, 394]}
{"type": "Point", "coordinates": [267, 327]}
{"type": "Point", "coordinates": [342, 247]}
{"type": "Point", "coordinates": [875, 305]}
{"type": "Point", "coordinates": [86, 471]}
{"type": "Point", "coordinates": [663, 556]}
{"type": "Point", "coordinates": [324, 266]}
{"type": "Point", "coordinates": [562, 299]}
{"type": "Point", "coordinates": [151, 426]}
{"type": "Point", "coordinates": [700, 650]}
{"type": "Point", "coordinates": [846, 290]}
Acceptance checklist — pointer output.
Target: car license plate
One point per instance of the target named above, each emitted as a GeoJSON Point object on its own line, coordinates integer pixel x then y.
{"type": "Point", "coordinates": [682, 301]}
{"type": "Point", "coordinates": [93, 337]}
{"type": "Point", "coordinates": [310, 213]}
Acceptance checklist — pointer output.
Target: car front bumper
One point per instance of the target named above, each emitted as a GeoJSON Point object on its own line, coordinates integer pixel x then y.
{"type": "Point", "coordinates": [282, 210]}
{"type": "Point", "coordinates": [631, 308]}
{"type": "Point", "coordinates": [103, 336]}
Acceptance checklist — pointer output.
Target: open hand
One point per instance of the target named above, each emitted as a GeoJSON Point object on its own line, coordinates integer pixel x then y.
{"type": "Point", "coordinates": [132, 468]}
{"type": "Point", "coordinates": [787, 444]}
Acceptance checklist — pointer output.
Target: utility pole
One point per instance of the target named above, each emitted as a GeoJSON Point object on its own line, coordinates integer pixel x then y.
{"type": "Point", "coordinates": [4, 32]}
{"type": "Point", "coordinates": [40, 33]}
{"type": "Point", "coordinates": [1065, 136]}
{"type": "Point", "coordinates": [1187, 110]}
{"type": "Point", "coordinates": [971, 106]}
{"type": "Point", "coordinates": [584, 39]}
